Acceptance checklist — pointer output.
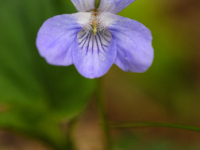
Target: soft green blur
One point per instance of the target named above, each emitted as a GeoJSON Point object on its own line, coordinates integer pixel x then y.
{"type": "Point", "coordinates": [36, 98]}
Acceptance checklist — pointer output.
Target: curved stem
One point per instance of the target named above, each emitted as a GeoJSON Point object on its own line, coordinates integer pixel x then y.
{"type": "Point", "coordinates": [102, 114]}
{"type": "Point", "coordinates": [152, 124]}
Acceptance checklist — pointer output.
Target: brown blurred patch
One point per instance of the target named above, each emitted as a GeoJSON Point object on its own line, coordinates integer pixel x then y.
{"type": "Point", "coordinates": [10, 141]}
{"type": "Point", "coordinates": [186, 15]}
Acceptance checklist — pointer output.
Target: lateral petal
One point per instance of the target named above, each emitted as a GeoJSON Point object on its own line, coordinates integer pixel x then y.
{"type": "Point", "coordinates": [56, 36]}
{"type": "Point", "coordinates": [84, 5]}
{"type": "Point", "coordinates": [134, 44]}
{"type": "Point", "coordinates": [94, 54]}
{"type": "Point", "coordinates": [114, 6]}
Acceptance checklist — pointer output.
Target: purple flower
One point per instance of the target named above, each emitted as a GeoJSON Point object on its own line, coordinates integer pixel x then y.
{"type": "Point", "coordinates": [93, 39]}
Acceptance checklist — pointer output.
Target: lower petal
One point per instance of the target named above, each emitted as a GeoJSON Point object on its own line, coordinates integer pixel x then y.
{"type": "Point", "coordinates": [134, 44]}
{"type": "Point", "coordinates": [93, 55]}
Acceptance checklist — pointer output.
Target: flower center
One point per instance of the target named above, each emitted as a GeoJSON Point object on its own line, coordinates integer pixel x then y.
{"type": "Point", "coordinates": [94, 21]}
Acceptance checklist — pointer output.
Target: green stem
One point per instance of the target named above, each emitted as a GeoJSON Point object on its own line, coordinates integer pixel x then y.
{"type": "Point", "coordinates": [102, 115]}
{"type": "Point", "coordinates": [97, 3]}
{"type": "Point", "coordinates": [152, 124]}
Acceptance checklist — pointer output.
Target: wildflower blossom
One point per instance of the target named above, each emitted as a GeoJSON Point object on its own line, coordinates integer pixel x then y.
{"type": "Point", "coordinates": [95, 38]}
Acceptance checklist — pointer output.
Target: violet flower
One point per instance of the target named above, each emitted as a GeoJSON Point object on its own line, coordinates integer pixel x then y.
{"type": "Point", "coordinates": [93, 39]}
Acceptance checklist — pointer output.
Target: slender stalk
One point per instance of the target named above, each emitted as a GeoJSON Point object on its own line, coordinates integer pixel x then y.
{"type": "Point", "coordinates": [97, 3]}
{"type": "Point", "coordinates": [152, 124]}
{"type": "Point", "coordinates": [102, 114]}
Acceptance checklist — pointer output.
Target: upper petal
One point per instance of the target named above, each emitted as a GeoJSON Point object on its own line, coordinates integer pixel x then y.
{"type": "Point", "coordinates": [134, 44]}
{"type": "Point", "coordinates": [84, 5]}
{"type": "Point", "coordinates": [114, 6]}
{"type": "Point", "coordinates": [56, 36]}
{"type": "Point", "coordinates": [93, 55]}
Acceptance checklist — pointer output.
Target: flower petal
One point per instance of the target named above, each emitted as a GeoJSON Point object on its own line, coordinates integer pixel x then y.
{"type": "Point", "coordinates": [134, 44]}
{"type": "Point", "coordinates": [56, 36]}
{"type": "Point", "coordinates": [93, 55]}
{"type": "Point", "coordinates": [84, 5]}
{"type": "Point", "coordinates": [114, 6]}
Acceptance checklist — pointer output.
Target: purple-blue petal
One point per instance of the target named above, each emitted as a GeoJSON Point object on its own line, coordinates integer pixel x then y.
{"type": "Point", "coordinates": [134, 44]}
{"type": "Point", "coordinates": [55, 38]}
{"type": "Point", "coordinates": [84, 5]}
{"type": "Point", "coordinates": [114, 6]}
{"type": "Point", "coordinates": [94, 55]}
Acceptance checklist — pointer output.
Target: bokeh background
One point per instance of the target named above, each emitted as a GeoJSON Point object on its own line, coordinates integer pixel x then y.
{"type": "Point", "coordinates": [37, 100]}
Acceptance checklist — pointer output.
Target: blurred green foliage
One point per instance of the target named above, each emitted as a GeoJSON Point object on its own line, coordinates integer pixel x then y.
{"type": "Point", "coordinates": [170, 74]}
{"type": "Point", "coordinates": [129, 141]}
{"type": "Point", "coordinates": [38, 96]}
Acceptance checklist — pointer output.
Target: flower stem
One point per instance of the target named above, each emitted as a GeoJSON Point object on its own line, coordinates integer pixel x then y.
{"type": "Point", "coordinates": [102, 114]}
{"type": "Point", "coordinates": [152, 124]}
{"type": "Point", "coordinates": [97, 3]}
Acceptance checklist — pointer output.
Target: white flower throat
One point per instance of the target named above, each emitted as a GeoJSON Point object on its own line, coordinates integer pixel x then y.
{"type": "Point", "coordinates": [94, 20]}
{"type": "Point", "coordinates": [94, 36]}
{"type": "Point", "coordinates": [94, 23]}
